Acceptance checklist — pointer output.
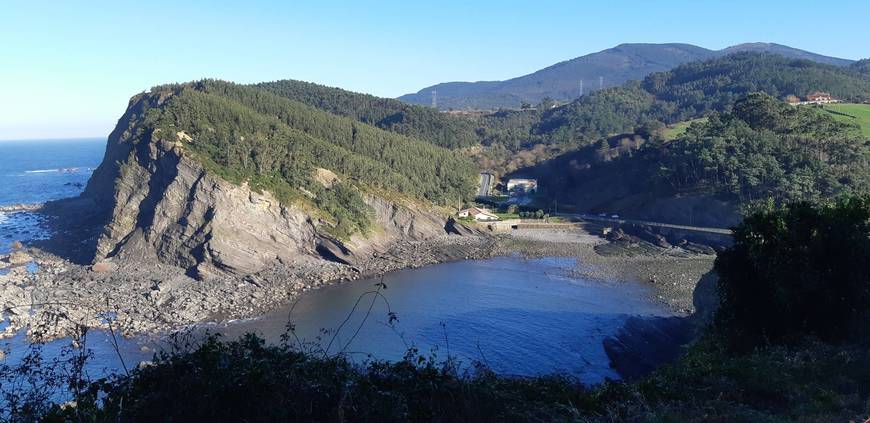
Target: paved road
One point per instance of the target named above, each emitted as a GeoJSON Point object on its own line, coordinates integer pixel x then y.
{"type": "Point", "coordinates": [485, 180]}
{"type": "Point", "coordinates": [594, 218]}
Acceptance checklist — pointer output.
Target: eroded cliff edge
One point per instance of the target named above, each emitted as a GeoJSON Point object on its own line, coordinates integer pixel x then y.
{"type": "Point", "coordinates": [158, 204]}
{"type": "Point", "coordinates": [160, 242]}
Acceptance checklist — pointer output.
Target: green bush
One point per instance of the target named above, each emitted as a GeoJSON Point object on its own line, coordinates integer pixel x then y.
{"type": "Point", "coordinates": [796, 270]}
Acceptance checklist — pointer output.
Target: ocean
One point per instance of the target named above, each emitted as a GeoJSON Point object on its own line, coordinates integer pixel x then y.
{"type": "Point", "coordinates": [36, 171]}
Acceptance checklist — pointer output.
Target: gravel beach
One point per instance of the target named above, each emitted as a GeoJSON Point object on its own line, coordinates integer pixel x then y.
{"type": "Point", "coordinates": [59, 296]}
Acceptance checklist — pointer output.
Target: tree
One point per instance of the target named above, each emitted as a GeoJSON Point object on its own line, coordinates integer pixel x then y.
{"type": "Point", "coordinates": [796, 270]}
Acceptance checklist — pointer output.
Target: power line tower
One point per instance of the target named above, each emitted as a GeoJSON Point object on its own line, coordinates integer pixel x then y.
{"type": "Point", "coordinates": [434, 99]}
{"type": "Point", "coordinates": [600, 82]}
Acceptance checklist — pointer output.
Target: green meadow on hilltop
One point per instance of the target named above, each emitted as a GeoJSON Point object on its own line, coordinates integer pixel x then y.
{"type": "Point", "coordinates": [852, 113]}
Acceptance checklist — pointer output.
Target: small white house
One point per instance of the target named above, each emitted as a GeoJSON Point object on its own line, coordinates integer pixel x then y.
{"type": "Point", "coordinates": [479, 214]}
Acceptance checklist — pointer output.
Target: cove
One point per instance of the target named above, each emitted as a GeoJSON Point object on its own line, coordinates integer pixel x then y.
{"type": "Point", "coordinates": [522, 317]}
{"type": "Point", "coordinates": [519, 316]}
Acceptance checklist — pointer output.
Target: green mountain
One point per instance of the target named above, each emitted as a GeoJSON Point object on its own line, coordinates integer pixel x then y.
{"type": "Point", "coordinates": [785, 51]}
{"type": "Point", "coordinates": [216, 177]}
{"type": "Point", "coordinates": [862, 66]}
{"type": "Point", "coordinates": [762, 148]}
{"type": "Point", "coordinates": [614, 66]}
{"type": "Point", "coordinates": [392, 115]}
{"type": "Point", "coordinates": [562, 80]}
{"type": "Point", "coordinates": [249, 134]}
{"type": "Point", "coordinates": [693, 90]}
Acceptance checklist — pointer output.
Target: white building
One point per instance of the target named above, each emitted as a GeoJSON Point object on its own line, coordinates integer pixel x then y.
{"type": "Point", "coordinates": [479, 214]}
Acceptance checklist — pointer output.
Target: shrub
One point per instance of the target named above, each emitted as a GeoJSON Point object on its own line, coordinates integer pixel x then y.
{"type": "Point", "coordinates": [796, 270]}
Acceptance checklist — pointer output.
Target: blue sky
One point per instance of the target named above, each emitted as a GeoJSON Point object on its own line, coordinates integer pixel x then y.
{"type": "Point", "coordinates": [68, 68]}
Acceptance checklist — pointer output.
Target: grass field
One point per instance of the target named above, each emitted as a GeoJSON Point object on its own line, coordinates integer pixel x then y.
{"type": "Point", "coordinates": [855, 113]}
{"type": "Point", "coordinates": [674, 131]}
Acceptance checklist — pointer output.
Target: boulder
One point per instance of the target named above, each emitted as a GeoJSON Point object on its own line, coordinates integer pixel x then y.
{"type": "Point", "coordinates": [103, 266]}
{"type": "Point", "coordinates": [17, 258]}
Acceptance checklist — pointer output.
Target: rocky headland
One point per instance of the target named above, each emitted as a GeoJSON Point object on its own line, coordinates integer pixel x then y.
{"type": "Point", "coordinates": [157, 242]}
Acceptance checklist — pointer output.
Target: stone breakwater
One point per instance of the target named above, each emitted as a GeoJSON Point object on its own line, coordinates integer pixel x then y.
{"type": "Point", "coordinates": [60, 295]}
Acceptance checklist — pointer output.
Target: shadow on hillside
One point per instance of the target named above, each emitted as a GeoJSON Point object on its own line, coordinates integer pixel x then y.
{"type": "Point", "coordinates": [75, 225]}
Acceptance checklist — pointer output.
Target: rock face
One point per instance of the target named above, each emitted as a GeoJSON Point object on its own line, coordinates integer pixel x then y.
{"type": "Point", "coordinates": [160, 205]}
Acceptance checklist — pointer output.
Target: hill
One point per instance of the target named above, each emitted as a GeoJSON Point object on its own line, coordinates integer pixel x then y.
{"type": "Point", "coordinates": [392, 115]}
{"type": "Point", "coordinates": [862, 66]}
{"type": "Point", "coordinates": [785, 51]}
{"type": "Point", "coordinates": [763, 148]}
{"type": "Point", "coordinates": [216, 177]}
{"type": "Point", "coordinates": [616, 65]}
{"type": "Point", "coordinates": [691, 91]}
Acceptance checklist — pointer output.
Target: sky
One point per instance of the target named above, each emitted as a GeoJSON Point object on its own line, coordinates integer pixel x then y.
{"type": "Point", "coordinates": [67, 69]}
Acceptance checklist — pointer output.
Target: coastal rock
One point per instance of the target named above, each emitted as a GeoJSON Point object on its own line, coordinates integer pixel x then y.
{"type": "Point", "coordinates": [18, 258]}
{"type": "Point", "coordinates": [103, 267]}
{"type": "Point", "coordinates": [161, 206]}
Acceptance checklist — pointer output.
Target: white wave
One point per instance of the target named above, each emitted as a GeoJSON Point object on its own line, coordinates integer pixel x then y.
{"type": "Point", "coordinates": [2, 217]}
{"type": "Point", "coordinates": [72, 169]}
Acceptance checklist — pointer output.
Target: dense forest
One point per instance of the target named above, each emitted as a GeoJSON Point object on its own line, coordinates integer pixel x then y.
{"type": "Point", "coordinates": [688, 91]}
{"type": "Point", "coordinates": [513, 140]}
{"type": "Point", "coordinates": [243, 133]}
{"type": "Point", "coordinates": [763, 148]}
{"type": "Point", "coordinates": [862, 66]}
{"type": "Point", "coordinates": [393, 115]}
{"type": "Point", "coordinates": [694, 88]}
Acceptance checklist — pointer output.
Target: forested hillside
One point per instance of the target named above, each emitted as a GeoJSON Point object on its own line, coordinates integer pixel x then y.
{"type": "Point", "coordinates": [562, 80]}
{"type": "Point", "coordinates": [693, 90]}
{"type": "Point", "coordinates": [243, 133]}
{"type": "Point", "coordinates": [393, 115]}
{"type": "Point", "coordinates": [614, 66]}
{"type": "Point", "coordinates": [862, 66]}
{"type": "Point", "coordinates": [763, 148]}
{"type": "Point", "coordinates": [766, 148]}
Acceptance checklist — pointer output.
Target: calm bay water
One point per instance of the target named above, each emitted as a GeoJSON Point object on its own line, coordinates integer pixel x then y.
{"type": "Point", "coordinates": [521, 317]}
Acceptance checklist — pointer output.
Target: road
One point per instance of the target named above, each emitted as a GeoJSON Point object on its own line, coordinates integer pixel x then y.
{"type": "Point", "coordinates": [483, 189]}
{"type": "Point", "coordinates": [593, 218]}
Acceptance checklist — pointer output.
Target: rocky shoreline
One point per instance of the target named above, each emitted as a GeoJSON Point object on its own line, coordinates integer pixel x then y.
{"type": "Point", "coordinates": [60, 296]}
{"type": "Point", "coordinates": [673, 273]}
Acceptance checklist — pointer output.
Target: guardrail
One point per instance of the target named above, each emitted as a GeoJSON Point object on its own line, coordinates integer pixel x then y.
{"type": "Point", "coordinates": [720, 231]}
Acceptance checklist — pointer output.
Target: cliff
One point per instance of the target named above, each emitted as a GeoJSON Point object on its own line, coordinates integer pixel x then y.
{"type": "Point", "coordinates": [158, 204]}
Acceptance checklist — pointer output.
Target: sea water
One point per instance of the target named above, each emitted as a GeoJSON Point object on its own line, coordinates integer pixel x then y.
{"type": "Point", "coordinates": [36, 171]}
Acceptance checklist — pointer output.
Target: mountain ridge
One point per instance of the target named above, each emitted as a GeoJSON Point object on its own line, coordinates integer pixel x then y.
{"type": "Point", "coordinates": [617, 65]}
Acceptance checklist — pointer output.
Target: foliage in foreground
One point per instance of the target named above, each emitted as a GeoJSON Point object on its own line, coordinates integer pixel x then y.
{"type": "Point", "coordinates": [797, 270]}
{"type": "Point", "coordinates": [246, 380]}
{"type": "Point", "coordinates": [796, 274]}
